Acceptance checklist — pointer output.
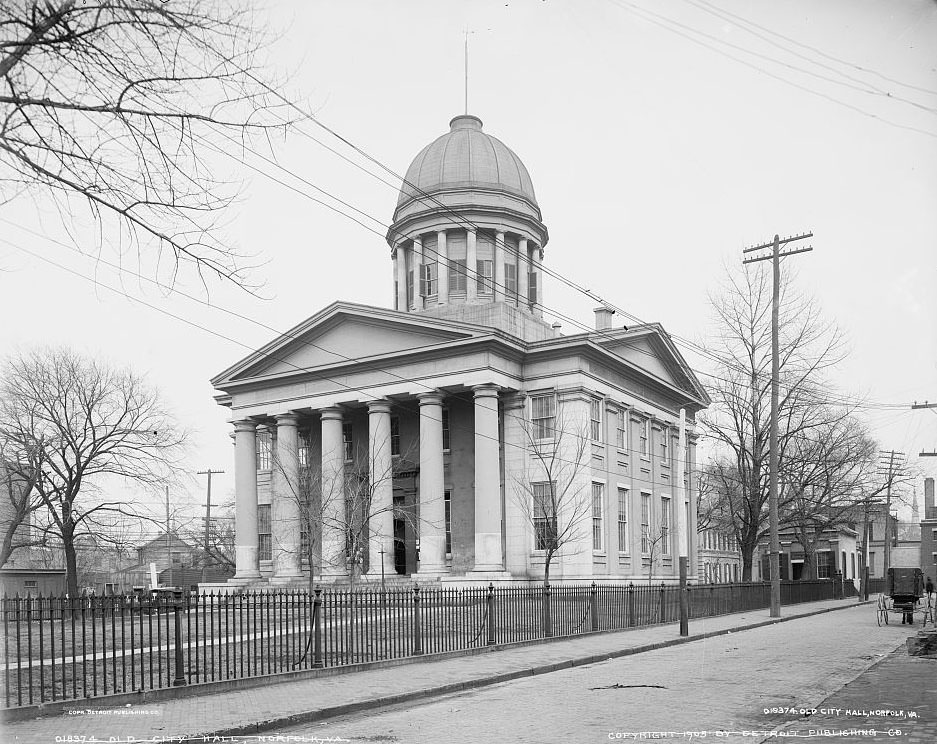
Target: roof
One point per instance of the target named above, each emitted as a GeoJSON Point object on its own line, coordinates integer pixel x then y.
{"type": "Point", "coordinates": [467, 156]}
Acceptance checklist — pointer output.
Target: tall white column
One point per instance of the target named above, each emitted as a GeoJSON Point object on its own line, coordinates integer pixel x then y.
{"type": "Point", "coordinates": [333, 494]}
{"type": "Point", "coordinates": [538, 307]}
{"type": "Point", "coordinates": [285, 528]}
{"type": "Point", "coordinates": [432, 487]}
{"type": "Point", "coordinates": [471, 267]}
{"type": "Point", "coordinates": [442, 267]}
{"type": "Point", "coordinates": [245, 498]}
{"type": "Point", "coordinates": [499, 267]}
{"type": "Point", "coordinates": [523, 266]}
{"type": "Point", "coordinates": [417, 272]}
{"type": "Point", "coordinates": [487, 481]}
{"type": "Point", "coordinates": [381, 482]}
{"type": "Point", "coordinates": [400, 266]}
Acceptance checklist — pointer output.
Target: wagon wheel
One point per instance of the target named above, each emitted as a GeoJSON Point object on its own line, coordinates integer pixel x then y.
{"type": "Point", "coordinates": [881, 613]}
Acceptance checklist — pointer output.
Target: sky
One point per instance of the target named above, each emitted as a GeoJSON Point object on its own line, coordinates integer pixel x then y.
{"type": "Point", "coordinates": [662, 138]}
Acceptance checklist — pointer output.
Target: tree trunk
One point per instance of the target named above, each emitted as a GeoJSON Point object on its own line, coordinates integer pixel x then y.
{"type": "Point", "coordinates": [71, 564]}
{"type": "Point", "coordinates": [545, 615]}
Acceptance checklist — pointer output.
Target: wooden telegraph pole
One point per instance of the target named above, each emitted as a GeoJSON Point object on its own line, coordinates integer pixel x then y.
{"type": "Point", "coordinates": [775, 257]}
{"type": "Point", "coordinates": [209, 473]}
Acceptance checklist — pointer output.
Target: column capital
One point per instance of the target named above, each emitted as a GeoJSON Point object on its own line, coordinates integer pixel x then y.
{"type": "Point", "coordinates": [287, 419]}
{"type": "Point", "coordinates": [488, 390]}
{"type": "Point", "coordinates": [381, 405]}
{"type": "Point", "coordinates": [514, 400]}
{"type": "Point", "coordinates": [430, 398]}
{"type": "Point", "coordinates": [245, 425]}
{"type": "Point", "coordinates": [333, 413]}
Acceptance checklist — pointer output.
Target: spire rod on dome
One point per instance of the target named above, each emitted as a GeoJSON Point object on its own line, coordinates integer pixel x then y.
{"type": "Point", "coordinates": [467, 32]}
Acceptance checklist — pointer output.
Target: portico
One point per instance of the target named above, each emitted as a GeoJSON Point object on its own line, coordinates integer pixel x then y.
{"type": "Point", "coordinates": [304, 498]}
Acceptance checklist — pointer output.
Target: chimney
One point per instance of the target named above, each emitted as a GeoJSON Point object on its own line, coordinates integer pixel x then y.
{"type": "Point", "coordinates": [929, 511]}
{"type": "Point", "coordinates": [603, 318]}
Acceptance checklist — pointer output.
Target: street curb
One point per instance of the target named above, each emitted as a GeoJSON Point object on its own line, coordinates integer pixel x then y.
{"type": "Point", "coordinates": [312, 716]}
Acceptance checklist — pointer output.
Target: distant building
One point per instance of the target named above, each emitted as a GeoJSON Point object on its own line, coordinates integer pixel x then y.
{"type": "Point", "coordinates": [929, 532]}
{"type": "Point", "coordinates": [34, 581]}
{"type": "Point", "coordinates": [165, 552]}
{"type": "Point", "coordinates": [837, 551]}
{"type": "Point", "coordinates": [720, 559]}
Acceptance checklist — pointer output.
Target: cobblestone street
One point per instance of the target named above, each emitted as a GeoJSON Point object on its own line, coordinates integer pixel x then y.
{"type": "Point", "coordinates": [724, 686]}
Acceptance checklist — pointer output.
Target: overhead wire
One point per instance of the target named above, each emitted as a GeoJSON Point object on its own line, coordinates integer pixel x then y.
{"type": "Point", "coordinates": [651, 17]}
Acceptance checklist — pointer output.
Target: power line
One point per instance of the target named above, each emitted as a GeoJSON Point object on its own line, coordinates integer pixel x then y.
{"type": "Point", "coordinates": [664, 20]}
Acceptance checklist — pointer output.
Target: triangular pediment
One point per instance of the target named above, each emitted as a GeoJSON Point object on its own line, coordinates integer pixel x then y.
{"type": "Point", "coordinates": [343, 334]}
{"type": "Point", "coordinates": [650, 349]}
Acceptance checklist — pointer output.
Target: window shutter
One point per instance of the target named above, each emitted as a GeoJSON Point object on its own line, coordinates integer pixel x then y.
{"type": "Point", "coordinates": [532, 285]}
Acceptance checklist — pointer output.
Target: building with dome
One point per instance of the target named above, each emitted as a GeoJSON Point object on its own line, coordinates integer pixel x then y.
{"type": "Point", "coordinates": [433, 440]}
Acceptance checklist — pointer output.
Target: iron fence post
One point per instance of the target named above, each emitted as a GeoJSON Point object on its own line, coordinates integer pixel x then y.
{"type": "Point", "coordinates": [179, 680]}
{"type": "Point", "coordinates": [662, 607]}
{"type": "Point", "coordinates": [631, 605]}
{"type": "Point", "coordinates": [317, 628]}
{"type": "Point", "coordinates": [491, 615]}
{"type": "Point", "coordinates": [417, 624]}
{"type": "Point", "coordinates": [546, 615]}
{"type": "Point", "coordinates": [594, 607]}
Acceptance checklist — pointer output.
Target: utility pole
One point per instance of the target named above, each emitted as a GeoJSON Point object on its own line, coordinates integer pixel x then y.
{"type": "Point", "coordinates": [890, 462]}
{"type": "Point", "coordinates": [168, 538]}
{"type": "Point", "coordinates": [775, 256]}
{"type": "Point", "coordinates": [209, 473]}
{"type": "Point", "coordinates": [682, 526]}
{"type": "Point", "coordinates": [925, 404]}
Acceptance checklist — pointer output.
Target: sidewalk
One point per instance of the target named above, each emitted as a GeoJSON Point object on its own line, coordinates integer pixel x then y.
{"type": "Point", "coordinates": [275, 705]}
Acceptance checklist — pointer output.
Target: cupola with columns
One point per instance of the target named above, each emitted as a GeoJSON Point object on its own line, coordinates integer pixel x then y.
{"type": "Point", "coordinates": [467, 230]}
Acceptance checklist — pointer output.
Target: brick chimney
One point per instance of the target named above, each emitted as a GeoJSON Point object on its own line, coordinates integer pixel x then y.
{"type": "Point", "coordinates": [930, 511]}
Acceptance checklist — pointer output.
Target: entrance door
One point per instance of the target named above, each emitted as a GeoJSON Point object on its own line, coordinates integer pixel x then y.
{"type": "Point", "coordinates": [400, 536]}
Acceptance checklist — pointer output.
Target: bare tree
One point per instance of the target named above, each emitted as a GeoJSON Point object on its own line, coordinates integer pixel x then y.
{"type": "Point", "coordinates": [115, 106]}
{"type": "Point", "coordinates": [738, 422]}
{"type": "Point", "coordinates": [827, 472]}
{"type": "Point", "coordinates": [92, 423]}
{"type": "Point", "coordinates": [551, 491]}
{"type": "Point", "coordinates": [19, 499]}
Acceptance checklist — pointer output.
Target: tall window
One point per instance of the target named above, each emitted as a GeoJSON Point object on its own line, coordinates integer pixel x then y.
{"type": "Point", "coordinates": [645, 437]}
{"type": "Point", "coordinates": [410, 288]}
{"type": "Point", "coordinates": [543, 415]}
{"type": "Point", "coordinates": [448, 517]}
{"type": "Point", "coordinates": [665, 524]}
{"type": "Point", "coordinates": [622, 520]}
{"type": "Point", "coordinates": [510, 281]}
{"type": "Point", "coordinates": [872, 562]}
{"type": "Point", "coordinates": [663, 444]}
{"type": "Point", "coordinates": [429, 283]}
{"type": "Point", "coordinates": [457, 273]}
{"type": "Point", "coordinates": [347, 446]}
{"type": "Point", "coordinates": [824, 564]}
{"type": "Point", "coordinates": [264, 541]}
{"type": "Point", "coordinates": [598, 493]}
{"type": "Point", "coordinates": [544, 517]}
{"type": "Point", "coordinates": [621, 439]}
{"type": "Point", "coordinates": [532, 288]}
{"type": "Point", "coordinates": [264, 449]}
{"type": "Point", "coordinates": [484, 268]}
{"type": "Point", "coordinates": [394, 435]}
{"type": "Point", "coordinates": [445, 429]}
{"type": "Point", "coordinates": [595, 419]}
{"type": "Point", "coordinates": [645, 523]}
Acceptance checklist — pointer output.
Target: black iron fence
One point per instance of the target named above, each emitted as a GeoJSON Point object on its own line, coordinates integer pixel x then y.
{"type": "Point", "coordinates": [58, 648]}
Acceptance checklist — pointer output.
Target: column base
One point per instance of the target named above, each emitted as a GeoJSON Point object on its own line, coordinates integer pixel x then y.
{"type": "Point", "coordinates": [286, 579]}
{"type": "Point", "coordinates": [432, 572]}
